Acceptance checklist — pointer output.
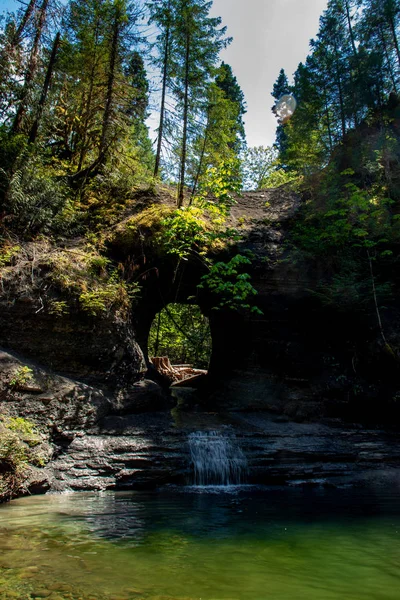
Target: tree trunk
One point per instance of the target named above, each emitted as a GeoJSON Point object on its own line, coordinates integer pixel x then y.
{"type": "Point", "coordinates": [374, 295]}
{"type": "Point", "coordinates": [24, 21]}
{"type": "Point", "coordinates": [357, 59]}
{"type": "Point", "coordinates": [162, 109]}
{"type": "Point", "coordinates": [328, 121]}
{"type": "Point", "coordinates": [342, 117]}
{"type": "Point", "coordinates": [31, 70]}
{"type": "Point", "coordinates": [353, 45]}
{"type": "Point", "coordinates": [395, 40]}
{"type": "Point", "coordinates": [353, 88]}
{"type": "Point", "coordinates": [157, 342]}
{"type": "Point", "coordinates": [389, 62]}
{"type": "Point", "coordinates": [339, 84]}
{"type": "Point", "coordinates": [185, 124]}
{"type": "Point", "coordinates": [45, 89]}
{"type": "Point", "coordinates": [200, 166]}
{"type": "Point", "coordinates": [107, 117]}
{"type": "Point", "coordinates": [89, 100]}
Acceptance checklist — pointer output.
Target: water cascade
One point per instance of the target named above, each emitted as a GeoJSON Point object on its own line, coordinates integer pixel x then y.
{"type": "Point", "coordinates": [217, 459]}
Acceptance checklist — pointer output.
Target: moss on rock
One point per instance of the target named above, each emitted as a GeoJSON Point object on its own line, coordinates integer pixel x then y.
{"type": "Point", "coordinates": [20, 452]}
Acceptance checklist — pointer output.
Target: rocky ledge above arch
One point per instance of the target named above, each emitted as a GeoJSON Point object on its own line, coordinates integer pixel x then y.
{"type": "Point", "coordinates": [60, 307]}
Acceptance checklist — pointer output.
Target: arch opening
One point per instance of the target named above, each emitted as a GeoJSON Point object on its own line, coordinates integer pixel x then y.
{"type": "Point", "coordinates": [179, 342]}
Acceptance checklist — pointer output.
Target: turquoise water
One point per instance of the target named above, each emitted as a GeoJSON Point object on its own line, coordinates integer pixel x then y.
{"type": "Point", "coordinates": [250, 545]}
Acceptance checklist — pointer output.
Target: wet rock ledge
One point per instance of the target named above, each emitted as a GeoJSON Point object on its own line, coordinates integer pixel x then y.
{"type": "Point", "coordinates": [94, 439]}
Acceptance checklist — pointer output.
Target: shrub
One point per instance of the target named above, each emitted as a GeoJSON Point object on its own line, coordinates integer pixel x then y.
{"type": "Point", "coordinates": [7, 253]}
{"type": "Point", "coordinates": [21, 377]}
{"type": "Point", "coordinates": [19, 440]}
{"type": "Point", "coordinates": [230, 285]}
{"type": "Point", "coordinates": [34, 199]}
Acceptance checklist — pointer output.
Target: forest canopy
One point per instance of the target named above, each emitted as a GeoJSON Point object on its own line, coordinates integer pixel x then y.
{"type": "Point", "coordinates": [75, 95]}
{"type": "Point", "coordinates": [78, 81]}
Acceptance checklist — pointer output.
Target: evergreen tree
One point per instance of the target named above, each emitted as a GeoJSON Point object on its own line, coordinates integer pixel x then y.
{"type": "Point", "coordinates": [223, 137]}
{"type": "Point", "coordinates": [228, 83]}
{"type": "Point", "coordinates": [281, 87]}
{"type": "Point", "coordinates": [45, 89]}
{"type": "Point", "coordinates": [76, 120]}
{"type": "Point", "coordinates": [32, 67]}
{"type": "Point", "coordinates": [12, 54]}
{"type": "Point", "coordinates": [378, 42]}
{"type": "Point", "coordinates": [161, 13]}
{"type": "Point", "coordinates": [198, 39]}
{"type": "Point", "coordinates": [352, 68]}
{"type": "Point", "coordinates": [101, 99]}
{"type": "Point", "coordinates": [390, 10]}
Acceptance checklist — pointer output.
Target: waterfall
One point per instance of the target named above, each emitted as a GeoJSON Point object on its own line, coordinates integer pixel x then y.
{"type": "Point", "coordinates": [217, 459]}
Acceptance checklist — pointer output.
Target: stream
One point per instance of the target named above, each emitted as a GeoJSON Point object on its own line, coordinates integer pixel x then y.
{"type": "Point", "coordinates": [208, 543]}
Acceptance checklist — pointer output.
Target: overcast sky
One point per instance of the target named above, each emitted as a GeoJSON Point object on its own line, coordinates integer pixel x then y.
{"type": "Point", "coordinates": [267, 35]}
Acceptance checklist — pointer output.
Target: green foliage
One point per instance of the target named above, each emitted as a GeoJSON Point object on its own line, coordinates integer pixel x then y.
{"type": "Point", "coordinates": [19, 440]}
{"type": "Point", "coordinates": [259, 165]}
{"type": "Point", "coordinates": [98, 265]}
{"type": "Point", "coordinates": [113, 294]}
{"type": "Point", "coordinates": [197, 41]}
{"type": "Point", "coordinates": [196, 229]}
{"type": "Point", "coordinates": [58, 308]}
{"type": "Point", "coordinates": [262, 169]}
{"type": "Point", "coordinates": [228, 83]}
{"type": "Point", "coordinates": [7, 252]}
{"type": "Point", "coordinates": [349, 76]}
{"type": "Point", "coordinates": [185, 232]}
{"type": "Point", "coordinates": [279, 177]}
{"type": "Point", "coordinates": [12, 453]}
{"type": "Point", "coordinates": [182, 333]}
{"type": "Point", "coordinates": [220, 183]}
{"type": "Point", "coordinates": [354, 217]}
{"type": "Point", "coordinates": [11, 146]}
{"type": "Point", "coordinates": [350, 288]}
{"type": "Point", "coordinates": [230, 285]}
{"type": "Point", "coordinates": [88, 104]}
{"type": "Point", "coordinates": [216, 149]}
{"type": "Point", "coordinates": [35, 199]}
{"type": "Point", "coordinates": [352, 227]}
{"type": "Point", "coordinates": [25, 429]}
{"type": "Point", "coordinates": [91, 282]}
{"type": "Point", "coordinates": [22, 377]}
{"type": "Point", "coordinates": [20, 425]}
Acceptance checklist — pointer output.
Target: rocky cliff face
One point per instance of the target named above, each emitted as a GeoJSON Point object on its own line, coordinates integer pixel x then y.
{"type": "Point", "coordinates": [85, 441]}
{"type": "Point", "coordinates": [60, 411]}
{"type": "Point", "coordinates": [298, 358]}
{"type": "Point", "coordinates": [43, 316]}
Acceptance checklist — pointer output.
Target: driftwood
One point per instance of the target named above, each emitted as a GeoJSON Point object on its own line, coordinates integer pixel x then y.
{"type": "Point", "coordinates": [175, 372]}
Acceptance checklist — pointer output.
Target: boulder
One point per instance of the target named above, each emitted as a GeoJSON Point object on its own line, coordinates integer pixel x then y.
{"type": "Point", "coordinates": [143, 396]}
{"type": "Point", "coordinates": [62, 406]}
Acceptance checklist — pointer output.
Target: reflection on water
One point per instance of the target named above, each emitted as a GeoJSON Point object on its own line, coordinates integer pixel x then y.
{"type": "Point", "coordinates": [250, 545]}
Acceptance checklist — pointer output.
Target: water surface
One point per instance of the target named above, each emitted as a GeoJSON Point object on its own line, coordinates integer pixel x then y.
{"type": "Point", "coordinates": [298, 544]}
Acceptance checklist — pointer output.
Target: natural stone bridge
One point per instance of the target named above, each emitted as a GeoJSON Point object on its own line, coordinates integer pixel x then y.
{"type": "Point", "coordinates": [276, 361]}
{"type": "Point", "coordinates": [293, 359]}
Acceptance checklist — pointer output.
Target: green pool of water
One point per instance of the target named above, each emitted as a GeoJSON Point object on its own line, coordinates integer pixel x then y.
{"type": "Point", "coordinates": [249, 545]}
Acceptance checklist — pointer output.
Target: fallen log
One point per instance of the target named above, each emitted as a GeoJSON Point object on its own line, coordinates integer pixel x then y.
{"type": "Point", "coordinates": [175, 372]}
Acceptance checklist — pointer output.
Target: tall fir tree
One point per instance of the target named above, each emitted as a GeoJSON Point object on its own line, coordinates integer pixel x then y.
{"type": "Point", "coordinates": [198, 40]}
{"type": "Point", "coordinates": [281, 87]}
